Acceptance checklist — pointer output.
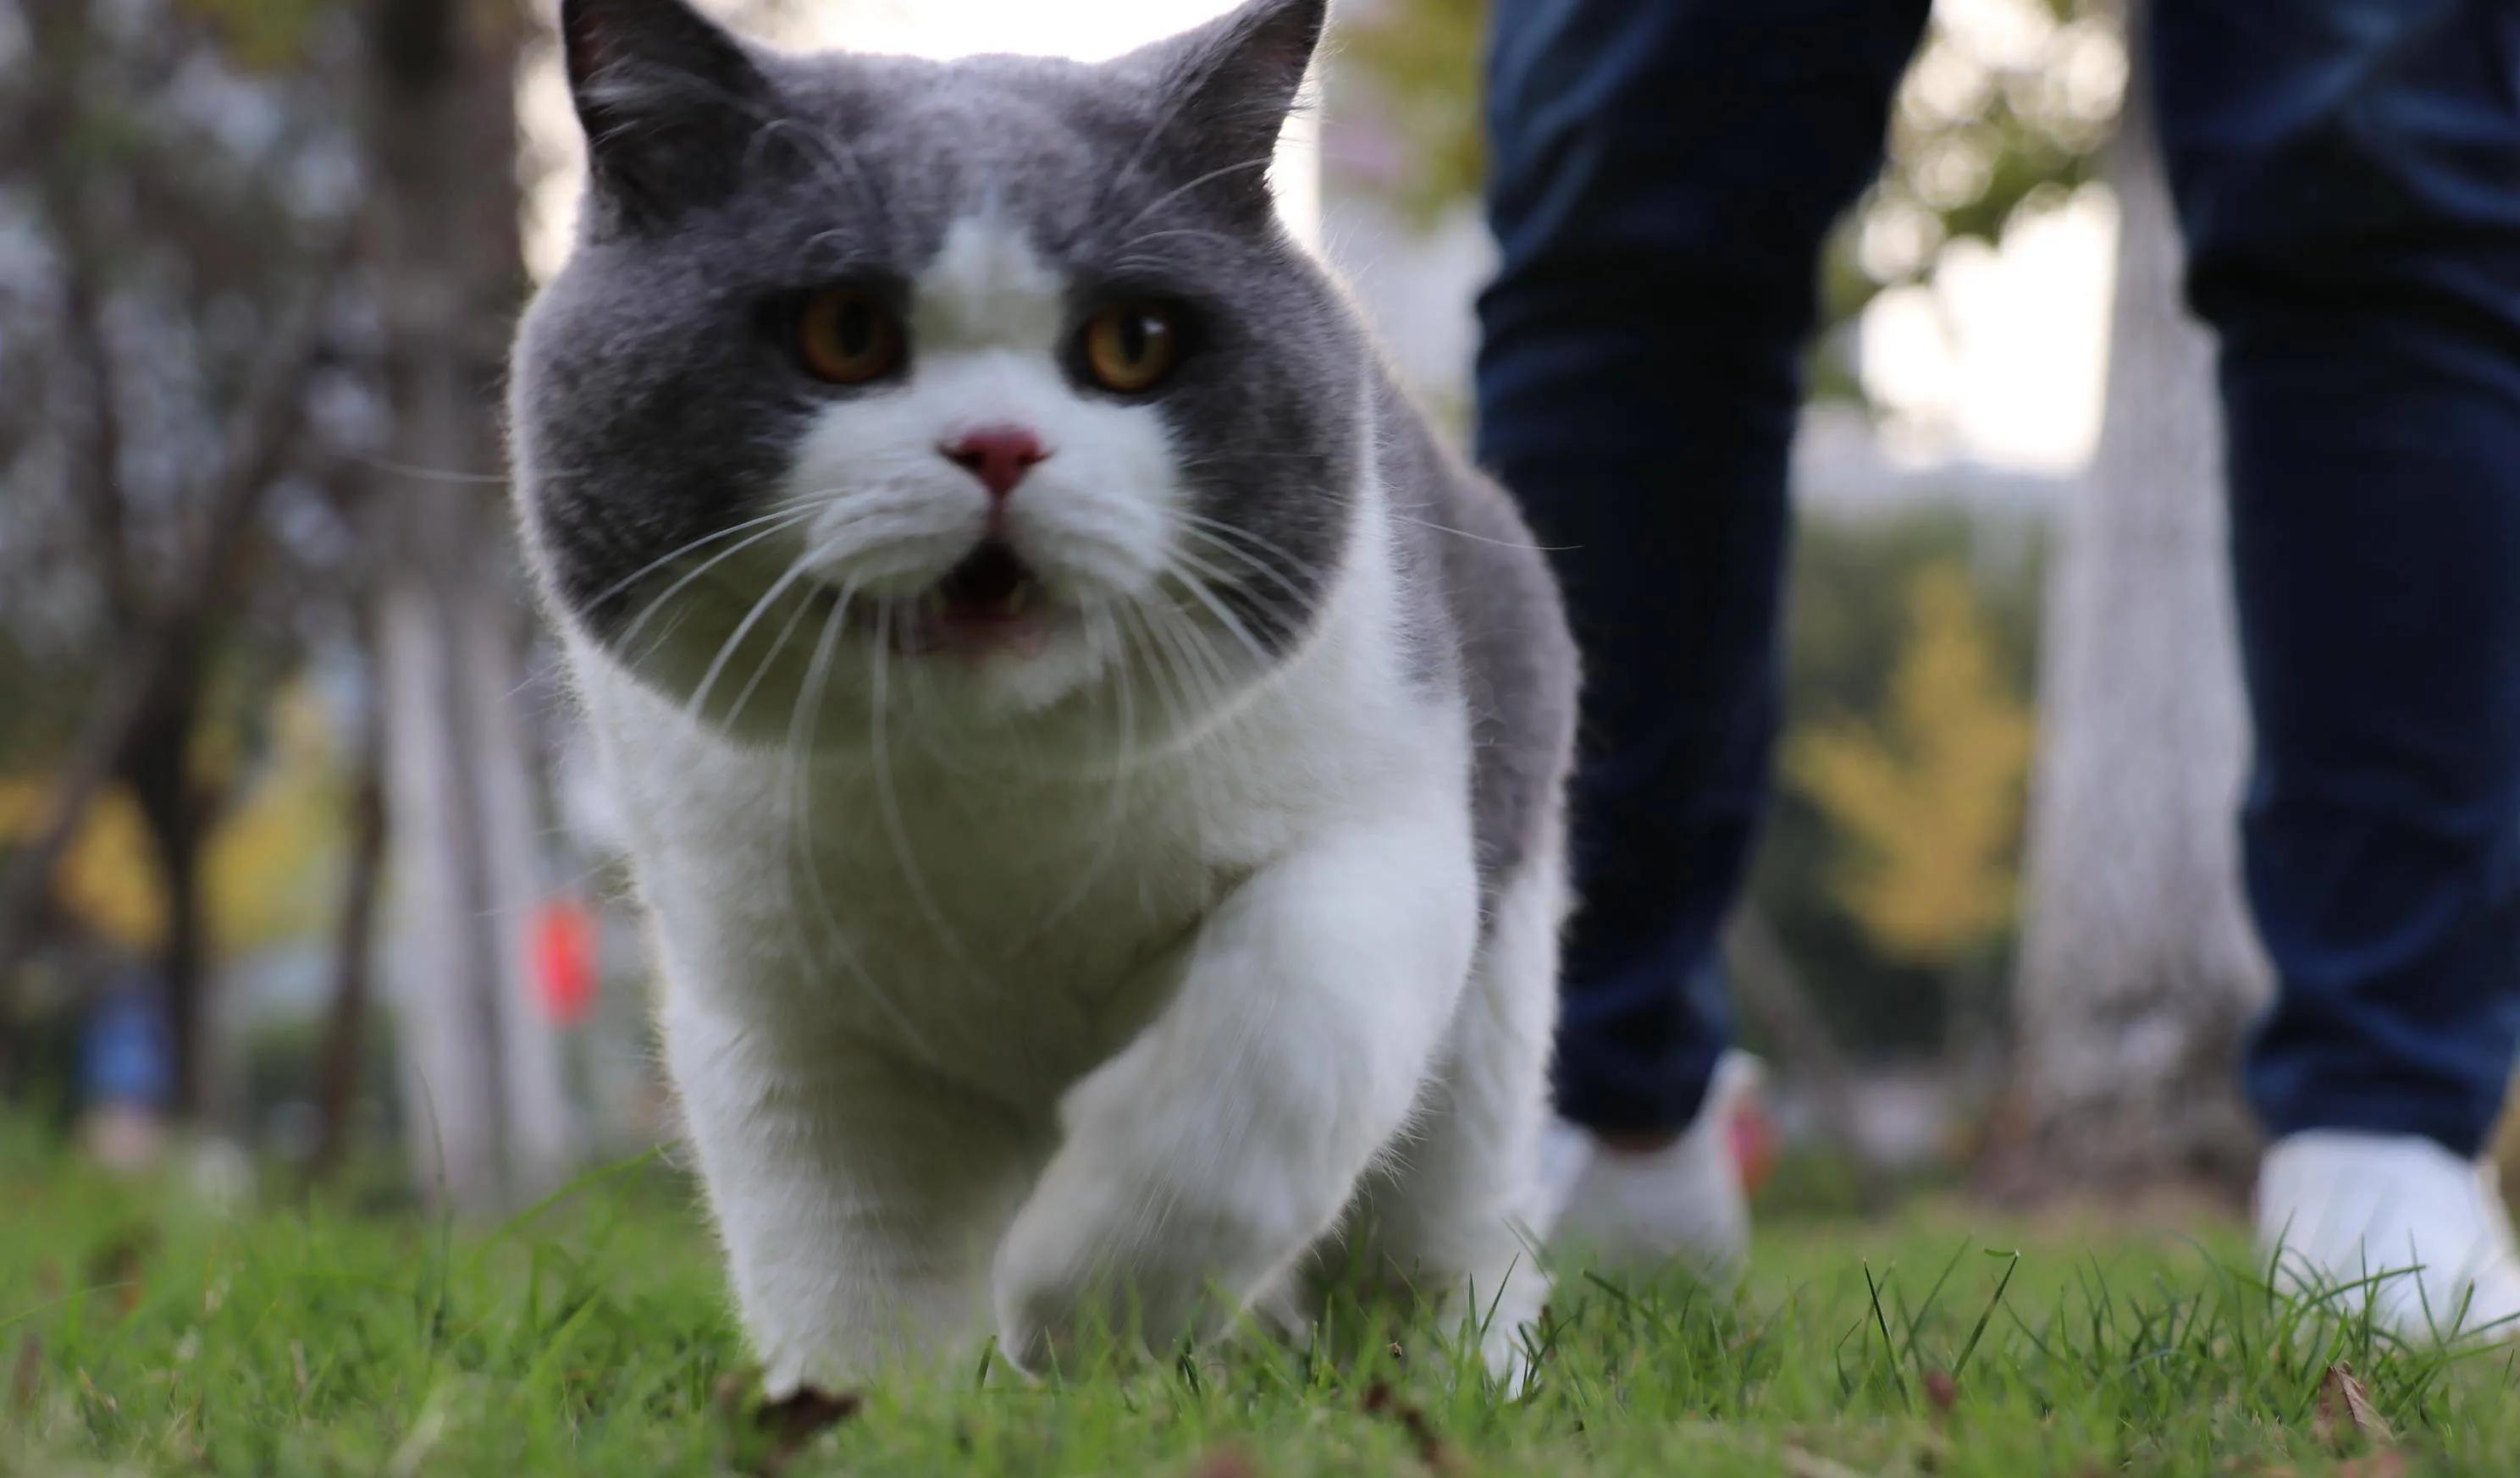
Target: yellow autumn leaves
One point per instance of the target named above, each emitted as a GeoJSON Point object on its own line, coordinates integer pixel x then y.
{"type": "Point", "coordinates": [266, 868]}
{"type": "Point", "coordinates": [1926, 797]}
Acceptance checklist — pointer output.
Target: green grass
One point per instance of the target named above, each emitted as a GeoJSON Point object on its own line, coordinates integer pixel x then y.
{"type": "Point", "coordinates": [142, 1333]}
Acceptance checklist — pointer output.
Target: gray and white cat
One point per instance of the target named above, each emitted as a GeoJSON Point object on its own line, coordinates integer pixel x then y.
{"type": "Point", "coordinates": [1092, 761]}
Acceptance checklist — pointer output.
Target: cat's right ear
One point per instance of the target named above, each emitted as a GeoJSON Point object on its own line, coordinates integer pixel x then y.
{"type": "Point", "coordinates": [1225, 90]}
{"type": "Point", "coordinates": [668, 100]}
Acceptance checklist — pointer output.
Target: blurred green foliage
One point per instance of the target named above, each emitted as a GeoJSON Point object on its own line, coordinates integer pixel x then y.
{"type": "Point", "coordinates": [261, 36]}
{"type": "Point", "coordinates": [2005, 109]}
{"type": "Point", "coordinates": [2000, 114]}
{"type": "Point", "coordinates": [1423, 57]}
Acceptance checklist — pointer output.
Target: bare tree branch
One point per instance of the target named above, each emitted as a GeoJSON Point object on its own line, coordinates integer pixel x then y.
{"type": "Point", "coordinates": [96, 482]}
{"type": "Point", "coordinates": [265, 435]}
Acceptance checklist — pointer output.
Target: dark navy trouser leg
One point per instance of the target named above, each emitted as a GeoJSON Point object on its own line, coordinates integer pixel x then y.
{"type": "Point", "coordinates": [1664, 174]}
{"type": "Point", "coordinates": [2348, 174]}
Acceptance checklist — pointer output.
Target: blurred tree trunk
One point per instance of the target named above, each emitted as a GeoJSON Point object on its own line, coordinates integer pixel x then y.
{"type": "Point", "coordinates": [482, 1067]}
{"type": "Point", "coordinates": [2139, 971]}
{"type": "Point", "coordinates": [345, 1027]}
{"type": "Point", "coordinates": [157, 766]}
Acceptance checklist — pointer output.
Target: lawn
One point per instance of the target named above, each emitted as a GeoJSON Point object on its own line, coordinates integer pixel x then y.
{"type": "Point", "coordinates": [142, 1333]}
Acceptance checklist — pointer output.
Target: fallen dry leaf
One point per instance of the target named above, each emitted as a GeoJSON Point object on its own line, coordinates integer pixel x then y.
{"type": "Point", "coordinates": [2388, 1462]}
{"type": "Point", "coordinates": [87, 1388]}
{"type": "Point", "coordinates": [23, 1379]}
{"type": "Point", "coordinates": [1225, 1462]}
{"type": "Point", "coordinates": [1431, 1449]}
{"type": "Point", "coordinates": [1942, 1391]}
{"type": "Point", "coordinates": [794, 1421]}
{"type": "Point", "coordinates": [120, 1264]}
{"type": "Point", "coordinates": [2344, 1405]}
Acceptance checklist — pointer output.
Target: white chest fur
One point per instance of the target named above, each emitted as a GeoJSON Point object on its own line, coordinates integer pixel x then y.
{"type": "Point", "coordinates": [1005, 928]}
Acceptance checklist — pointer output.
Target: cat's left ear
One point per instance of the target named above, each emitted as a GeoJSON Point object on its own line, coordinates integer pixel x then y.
{"type": "Point", "coordinates": [1226, 87]}
{"type": "Point", "coordinates": [668, 100]}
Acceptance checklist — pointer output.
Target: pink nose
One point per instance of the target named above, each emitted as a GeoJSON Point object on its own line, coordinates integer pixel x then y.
{"type": "Point", "coordinates": [998, 456]}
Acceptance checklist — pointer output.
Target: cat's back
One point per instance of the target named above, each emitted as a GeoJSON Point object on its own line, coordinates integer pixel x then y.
{"type": "Point", "coordinates": [1488, 615]}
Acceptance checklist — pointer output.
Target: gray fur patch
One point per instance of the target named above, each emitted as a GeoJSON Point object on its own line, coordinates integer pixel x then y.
{"type": "Point", "coordinates": [1491, 625]}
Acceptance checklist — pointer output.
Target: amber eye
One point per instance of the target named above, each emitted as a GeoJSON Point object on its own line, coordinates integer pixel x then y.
{"type": "Point", "coordinates": [844, 335]}
{"type": "Point", "coordinates": [1128, 347]}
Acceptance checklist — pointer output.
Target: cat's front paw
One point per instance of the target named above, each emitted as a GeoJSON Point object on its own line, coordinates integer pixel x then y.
{"type": "Point", "coordinates": [1104, 1248]}
{"type": "Point", "coordinates": [1043, 1297]}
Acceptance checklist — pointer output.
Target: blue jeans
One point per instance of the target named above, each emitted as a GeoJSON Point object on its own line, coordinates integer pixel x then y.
{"type": "Point", "coordinates": [2347, 173]}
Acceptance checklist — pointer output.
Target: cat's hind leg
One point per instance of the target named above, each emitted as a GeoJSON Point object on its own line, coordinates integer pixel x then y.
{"type": "Point", "coordinates": [1453, 1214]}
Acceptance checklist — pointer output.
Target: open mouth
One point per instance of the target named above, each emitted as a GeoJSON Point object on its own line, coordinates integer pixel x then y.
{"type": "Point", "coordinates": [991, 584]}
{"type": "Point", "coordinates": [989, 603]}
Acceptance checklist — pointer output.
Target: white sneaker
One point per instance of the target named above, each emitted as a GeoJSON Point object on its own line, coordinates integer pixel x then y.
{"type": "Point", "coordinates": [1639, 1212]}
{"type": "Point", "coordinates": [2427, 1228]}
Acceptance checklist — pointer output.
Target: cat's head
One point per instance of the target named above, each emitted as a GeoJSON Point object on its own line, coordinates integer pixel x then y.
{"type": "Point", "coordinates": [882, 382]}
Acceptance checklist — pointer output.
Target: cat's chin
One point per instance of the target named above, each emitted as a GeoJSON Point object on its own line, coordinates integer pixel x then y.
{"type": "Point", "coordinates": [990, 608]}
{"type": "Point", "coordinates": [973, 636]}
{"type": "Point", "coordinates": [1033, 682]}
{"type": "Point", "coordinates": [1020, 627]}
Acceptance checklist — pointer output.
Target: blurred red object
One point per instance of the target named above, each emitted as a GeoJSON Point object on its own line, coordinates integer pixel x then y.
{"type": "Point", "coordinates": [1754, 1144]}
{"type": "Point", "coordinates": [1739, 1091]}
{"type": "Point", "coordinates": [563, 945]}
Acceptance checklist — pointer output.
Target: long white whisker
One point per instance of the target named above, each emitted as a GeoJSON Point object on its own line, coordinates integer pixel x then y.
{"type": "Point", "coordinates": [800, 757]}
{"type": "Point", "coordinates": [631, 632]}
{"type": "Point", "coordinates": [1133, 613]}
{"type": "Point", "coordinates": [1391, 511]}
{"type": "Point", "coordinates": [1196, 663]}
{"type": "Point", "coordinates": [668, 557]}
{"type": "Point", "coordinates": [1204, 530]}
{"type": "Point", "coordinates": [888, 801]}
{"type": "Point", "coordinates": [791, 787]}
{"type": "Point", "coordinates": [1217, 609]}
{"type": "Point", "coordinates": [761, 669]}
{"type": "Point", "coordinates": [1102, 625]}
{"type": "Point", "coordinates": [1188, 666]}
{"type": "Point", "coordinates": [727, 648]}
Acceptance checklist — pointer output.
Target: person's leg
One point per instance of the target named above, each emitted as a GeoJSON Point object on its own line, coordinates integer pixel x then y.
{"type": "Point", "coordinates": [2348, 173]}
{"type": "Point", "coordinates": [1663, 175]}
